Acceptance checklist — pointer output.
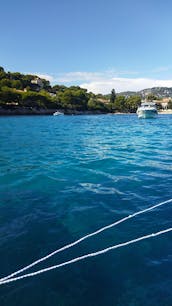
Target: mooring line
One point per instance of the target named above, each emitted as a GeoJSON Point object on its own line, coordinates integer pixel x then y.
{"type": "Point", "coordinates": [86, 256]}
{"type": "Point", "coordinates": [83, 238]}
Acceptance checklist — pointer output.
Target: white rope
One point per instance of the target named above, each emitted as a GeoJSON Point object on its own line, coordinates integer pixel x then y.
{"type": "Point", "coordinates": [83, 238]}
{"type": "Point", "coordinates": [86, 256]}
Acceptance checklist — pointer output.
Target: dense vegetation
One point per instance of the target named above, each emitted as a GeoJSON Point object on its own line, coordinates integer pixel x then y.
{"type": "Point", "coordinates": [29, 91]}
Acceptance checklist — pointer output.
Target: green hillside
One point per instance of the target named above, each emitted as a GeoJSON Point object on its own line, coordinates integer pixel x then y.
{"type": "Point", "coordinates": [25, 91]}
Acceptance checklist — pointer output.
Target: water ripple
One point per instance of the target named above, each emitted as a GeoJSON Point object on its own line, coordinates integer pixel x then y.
{"type": "Point", "coordinates": [64, 177]}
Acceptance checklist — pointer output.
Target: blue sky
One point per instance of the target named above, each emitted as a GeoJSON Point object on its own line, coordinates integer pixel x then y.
{"type": "Point", "coordinates": [99, 44]}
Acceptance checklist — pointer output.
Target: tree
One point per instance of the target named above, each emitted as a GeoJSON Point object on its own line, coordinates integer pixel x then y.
{"type": "Point", "coordinates": [112, 96]}
{"type": "Point", "coordinates": [94, 104]}
{"type": "Point", "coordinates": [5, 82]}
{"type": "Point", "coordinates": [16, 84]}
{"type": "Point", "coordinates": [151, 97]}
{"type": "Point", "coordinates": [58, 88]}
{"type": "Point", "coordinates": [170, 104]}
{"type": "Point", "coordinates": [120, 104]}
{"type": "Point", "coordinates": [9, 96]}
{"type": "Point", "coordinates": [2, 69]}
{"type": "Point", "coordinates": [38, 100]}
{"type": "Point", "coordinates": [73, 98]}
{"type": "Point", "coordinates": [132, 103]}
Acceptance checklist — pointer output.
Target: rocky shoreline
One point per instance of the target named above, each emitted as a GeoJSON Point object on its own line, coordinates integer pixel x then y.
{"type": "Point", "coordinates": [34, 111]}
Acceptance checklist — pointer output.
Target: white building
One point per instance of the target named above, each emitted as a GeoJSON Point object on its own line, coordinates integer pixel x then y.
{"type": "Point", "coordinates": [38, 82]}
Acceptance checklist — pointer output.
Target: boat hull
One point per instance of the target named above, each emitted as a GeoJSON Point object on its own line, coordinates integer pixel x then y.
{"type": "Point", "coordinates": [58, 114]}
{"type": "Point", "coordinates": [147, 114]}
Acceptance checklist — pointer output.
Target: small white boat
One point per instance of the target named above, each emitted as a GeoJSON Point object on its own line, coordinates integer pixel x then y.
{"type": "Point", "coordinates": [147, 110]}
{"type": "Point", "coordinates": [57, 113]}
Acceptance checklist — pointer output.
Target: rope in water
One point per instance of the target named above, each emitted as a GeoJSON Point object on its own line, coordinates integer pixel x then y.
{"type": "Point", "coordinates": [83, 238]}
{"type": "Point", "coordinates": [86, 256]}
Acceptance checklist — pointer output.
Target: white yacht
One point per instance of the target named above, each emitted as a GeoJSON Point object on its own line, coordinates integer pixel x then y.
{"type": "Point", "coordinates": [57, 113]}
{"type": "Point", "coordinates": [147, 110]}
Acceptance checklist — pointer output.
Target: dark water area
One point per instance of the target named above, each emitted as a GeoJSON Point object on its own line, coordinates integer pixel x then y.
{"type": "Point", "coordinates": [66, 176]}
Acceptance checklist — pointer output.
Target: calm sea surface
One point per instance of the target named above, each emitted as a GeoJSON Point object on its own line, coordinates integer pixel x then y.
{"type": "Point", "coordinates": [63, 177]}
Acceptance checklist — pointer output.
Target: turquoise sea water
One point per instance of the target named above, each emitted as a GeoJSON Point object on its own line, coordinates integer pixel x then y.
{"type": "Point", "coordinates": [63, 177]}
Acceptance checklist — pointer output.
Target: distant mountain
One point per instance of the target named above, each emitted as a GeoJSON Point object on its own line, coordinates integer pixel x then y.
{"type": "Point", "coordinates": [160, 92]}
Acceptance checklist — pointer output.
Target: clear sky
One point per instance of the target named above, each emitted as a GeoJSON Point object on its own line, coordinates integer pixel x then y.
{"type": "Point", "coordinates": [98, 44]}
